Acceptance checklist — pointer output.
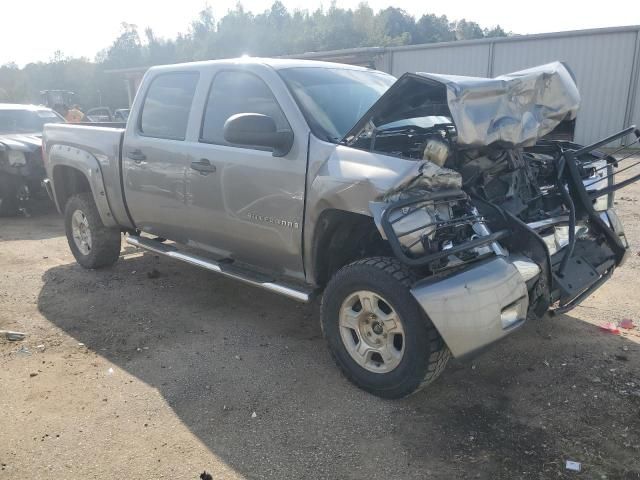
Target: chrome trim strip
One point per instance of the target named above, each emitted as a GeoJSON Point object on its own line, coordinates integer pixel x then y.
{"type": "Point", "coordinates": [213, 266]}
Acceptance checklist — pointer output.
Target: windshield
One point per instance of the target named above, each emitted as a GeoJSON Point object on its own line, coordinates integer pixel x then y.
{"type": "Point", "coordinates": [333, 99]}
{"type": "Point", "coordinates": [27, 121]}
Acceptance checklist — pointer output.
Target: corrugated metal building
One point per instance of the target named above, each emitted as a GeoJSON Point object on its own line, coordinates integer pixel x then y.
{"type": "Point", "coordinates": [605, 62]}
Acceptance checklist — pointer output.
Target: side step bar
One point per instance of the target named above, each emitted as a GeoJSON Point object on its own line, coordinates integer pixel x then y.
{"type": "Point", "coordinates": [226, 270]}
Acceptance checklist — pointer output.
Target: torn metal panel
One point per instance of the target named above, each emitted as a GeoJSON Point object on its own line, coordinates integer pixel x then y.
{"type": "Point", "coordinates": [514, 110]}
{"type": "Point", "coordinates": [423, 177]}
{"type": "Point", "coordinates": [418, 181]}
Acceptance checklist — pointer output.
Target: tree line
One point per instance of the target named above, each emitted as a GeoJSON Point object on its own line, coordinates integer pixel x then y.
{"type": "Point", "coordinates": [274, 32]}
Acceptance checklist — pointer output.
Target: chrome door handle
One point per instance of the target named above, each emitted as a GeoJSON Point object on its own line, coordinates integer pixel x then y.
{"type": "Point", "coordinates": [203, 166]}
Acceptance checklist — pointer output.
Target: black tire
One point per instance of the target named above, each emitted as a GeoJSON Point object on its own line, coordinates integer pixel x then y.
{"type": "Point", "coordinates": [425, 353]}
{"type": "Point", "coordinates": [9, 205]}
{"type": "Point", "coordinates": [105, 241]}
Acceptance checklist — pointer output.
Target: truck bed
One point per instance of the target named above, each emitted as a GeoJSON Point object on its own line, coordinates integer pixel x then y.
{"type": "Point", "coordinates": [90, 145]}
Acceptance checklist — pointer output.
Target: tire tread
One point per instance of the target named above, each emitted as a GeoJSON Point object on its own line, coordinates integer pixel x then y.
{"type": "Point", "coordinates": [438, 353]}
{"type": "Point", "coordinates": [106, 241]}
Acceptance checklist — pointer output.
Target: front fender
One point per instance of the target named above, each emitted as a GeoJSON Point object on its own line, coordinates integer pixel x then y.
{"type": "Point", "coordinates": [344, 179]}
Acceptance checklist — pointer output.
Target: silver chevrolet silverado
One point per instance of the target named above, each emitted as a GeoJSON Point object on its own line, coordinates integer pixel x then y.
{"type": "Point", "coordinates": [436, 213]}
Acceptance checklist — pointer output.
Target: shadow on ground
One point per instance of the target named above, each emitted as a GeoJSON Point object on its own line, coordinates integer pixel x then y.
{"type": "Point", "coordinates": [217, 351]}
{"type": "Point", "coordinates": [41, 221]}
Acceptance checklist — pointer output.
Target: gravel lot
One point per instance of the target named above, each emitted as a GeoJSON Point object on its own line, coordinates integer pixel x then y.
{"type": "Point", "coordinates": [153, 369]}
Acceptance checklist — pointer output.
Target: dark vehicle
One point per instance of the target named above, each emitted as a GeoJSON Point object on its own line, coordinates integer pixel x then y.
{"type": "Point", "coordinates": [21, 167]}
{"type": "Point", "coordinates": [99, 114]}
{"type": "Point", "coordinates": [105, 115]}
{"type": "Point", "coordinates": [121, 115]}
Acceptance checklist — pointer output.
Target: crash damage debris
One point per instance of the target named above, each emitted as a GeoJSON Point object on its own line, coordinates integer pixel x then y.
{"type": "Point", "coordinates": [614, 328]}
{"type": "Point", "coordinates": [24, 351]}
{"type": "Point", "coordinates": [573, 466]}
{"type": "Point", "coordinates": [610, 327]}
{"type": "Point", "coordinates": [626, 323]}
{"type": "Point", "coordinates": [423, 177]}
{"type": "Point", "coordinates": [13, 336]}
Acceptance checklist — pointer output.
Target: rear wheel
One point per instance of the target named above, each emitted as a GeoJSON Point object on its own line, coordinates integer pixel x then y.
{"type": "Point", "coordinates": [92, 243]}
{"type": "Point", "coordinates": [377, 332]}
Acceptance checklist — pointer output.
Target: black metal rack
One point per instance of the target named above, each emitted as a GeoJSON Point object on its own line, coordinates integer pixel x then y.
{"type": "Point", "coordinates": [402, 209]}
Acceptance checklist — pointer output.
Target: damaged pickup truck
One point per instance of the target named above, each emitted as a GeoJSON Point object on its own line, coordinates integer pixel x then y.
{"type": "Point", "coordinates": [431, 209]}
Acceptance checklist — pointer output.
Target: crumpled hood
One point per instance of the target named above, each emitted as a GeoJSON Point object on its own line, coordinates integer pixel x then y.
{"type": "Point", "coordinates": [20, 142]}
{"type": "Point", "coordinates": [515, 109]}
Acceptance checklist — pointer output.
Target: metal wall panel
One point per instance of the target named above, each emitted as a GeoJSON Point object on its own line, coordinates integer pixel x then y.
{"type": "Point", "coordinates": [634, 91]}
{"type": "Point", "coordinates": [602, 61]}
{"type": "Point", "coordinates": [635, 113]}
{"type": "Point", "coordinates": [452, 59]}
{"type": "Point", "coordinates": [602, 64]}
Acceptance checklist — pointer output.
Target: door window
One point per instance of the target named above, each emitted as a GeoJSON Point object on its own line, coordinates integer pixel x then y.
{"type": "Point", "coordinates": [166, 107]}
{"type": "Point", "coordinates": [235, 92]}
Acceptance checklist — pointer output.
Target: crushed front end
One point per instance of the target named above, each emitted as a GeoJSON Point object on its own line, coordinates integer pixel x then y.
{"type": "Point", "coordinates": [500, 223]}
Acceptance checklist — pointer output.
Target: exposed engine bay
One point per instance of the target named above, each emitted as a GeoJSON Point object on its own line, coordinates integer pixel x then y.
{"type": "Point", "coordinates": [544, 203]}
{"type": "Point", "coordinates": [464, 204]}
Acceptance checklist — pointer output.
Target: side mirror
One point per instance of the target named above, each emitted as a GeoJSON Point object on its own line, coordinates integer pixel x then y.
{"type": "Point", "coordinates": [257, 130]}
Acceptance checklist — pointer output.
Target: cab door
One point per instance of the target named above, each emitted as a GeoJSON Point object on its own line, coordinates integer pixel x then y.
{"type": "Point", "coordinates": [155, 156]}
{"type": "Point", "coordinates": [246, 203]}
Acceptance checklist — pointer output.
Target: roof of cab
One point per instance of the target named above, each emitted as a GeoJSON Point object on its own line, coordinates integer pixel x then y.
{"type": "Point", "coordinates": [275, 63]}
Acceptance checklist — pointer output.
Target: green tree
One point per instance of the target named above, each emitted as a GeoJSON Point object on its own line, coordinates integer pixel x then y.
{"type": "Point", "coordinates": [398, 25]}
{"type": "Point", "coordinates": [465, 30]}
{"type": "Point", "coordinates": [159, 51]}
{"type": "Point", "coordinates": [275, 31]}
{"type": "Point", "coordinates": [126, 50]}
{"type": "Point", "coordinates": [13, 87]}
{"type": "Point", "coordinates": [496, 31]}
{"type": "Point", "coordinates": [431, 28]}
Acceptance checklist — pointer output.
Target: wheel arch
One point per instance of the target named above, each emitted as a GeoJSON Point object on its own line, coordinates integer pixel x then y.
{"type": "Point", "coordinates": [340, 238]}
{"type": "Point", "coordinates": [74, 171]}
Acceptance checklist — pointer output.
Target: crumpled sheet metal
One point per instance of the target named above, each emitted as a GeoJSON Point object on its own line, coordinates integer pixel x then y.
{"type": "Point", "coordinates": [423, 176]}
{"type": "Point", "coordinates": [516, 109]}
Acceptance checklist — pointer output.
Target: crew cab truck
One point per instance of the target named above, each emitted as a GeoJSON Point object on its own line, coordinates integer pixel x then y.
{"type": "Point", "coordinates": [430, 211]}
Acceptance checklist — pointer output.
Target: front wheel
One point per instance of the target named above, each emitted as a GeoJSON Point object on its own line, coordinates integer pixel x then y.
{"type": "Point", "coordinates": [376, 331]}
{"type": "Point", "coordinates": [92, 243]}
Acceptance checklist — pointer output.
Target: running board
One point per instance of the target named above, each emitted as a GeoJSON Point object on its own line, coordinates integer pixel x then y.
{"type": "Point", "coordinates": [223, 269]}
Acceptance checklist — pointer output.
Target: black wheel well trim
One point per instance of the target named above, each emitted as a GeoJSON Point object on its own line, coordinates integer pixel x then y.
{"type": "Point", "coordinates": [69, 180]}
{"type": "Point", "coordinates": [342, 237]}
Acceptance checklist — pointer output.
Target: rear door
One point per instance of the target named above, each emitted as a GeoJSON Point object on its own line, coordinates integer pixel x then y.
{"type": "Point", "coordinates": [155, 157]}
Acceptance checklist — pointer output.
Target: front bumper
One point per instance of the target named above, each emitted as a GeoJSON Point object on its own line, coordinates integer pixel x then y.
{"type": "Point", "coordinates": [477, 306]}
{"type": "Point", "coordinates": [474, 308]}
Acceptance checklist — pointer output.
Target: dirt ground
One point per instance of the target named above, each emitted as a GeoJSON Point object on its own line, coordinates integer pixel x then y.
{"type": "Point", "coordinates": [132, 375]}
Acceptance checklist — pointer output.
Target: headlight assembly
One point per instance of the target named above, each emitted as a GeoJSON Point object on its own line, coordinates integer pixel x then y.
{"type": "Point", "coordinates": [16, 159]}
